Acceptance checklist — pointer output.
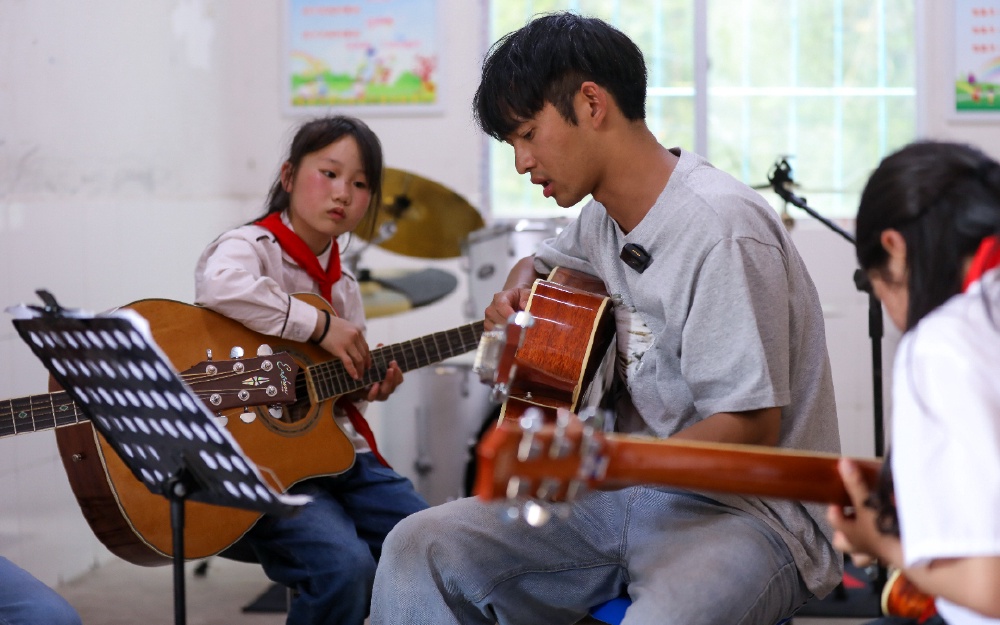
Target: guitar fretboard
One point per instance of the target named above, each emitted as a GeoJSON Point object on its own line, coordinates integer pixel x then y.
{"type": "Point", "coordinates": [38, 412]}
{"type": "Point", "coordinates": [330, 379]}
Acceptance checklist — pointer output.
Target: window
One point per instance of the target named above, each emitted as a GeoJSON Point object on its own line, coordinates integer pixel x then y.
{"type": "Point", "coordinates": [827, 84]}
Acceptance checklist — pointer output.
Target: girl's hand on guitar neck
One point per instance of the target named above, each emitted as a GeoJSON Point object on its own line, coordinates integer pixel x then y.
{"type": "Point", "coordinates": [381, 390]}
{"type": "Point", "coordinates": [344, 340]}
{"type": "Point", "coordinates": [856, 529]}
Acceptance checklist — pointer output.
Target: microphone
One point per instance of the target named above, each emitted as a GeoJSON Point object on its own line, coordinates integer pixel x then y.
{"type": "Point", "coordinates": [636, 257]}
{"type": "Point", "coordinates": [781, 181]}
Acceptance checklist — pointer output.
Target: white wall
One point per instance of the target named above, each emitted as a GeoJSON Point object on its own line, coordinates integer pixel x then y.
{"type": "Point", "coordinates": [132, 133]}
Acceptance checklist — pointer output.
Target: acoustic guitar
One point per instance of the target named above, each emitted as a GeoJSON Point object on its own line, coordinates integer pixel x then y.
{"type": "Point", "coordinates": [564, 359]}
{"type": "Point", "coordinates": [291, 437]}
{"type": "Point", "coordinates": [555, 463]}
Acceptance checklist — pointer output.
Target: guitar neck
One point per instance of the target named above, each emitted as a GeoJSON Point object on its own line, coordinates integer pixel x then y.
{"type": "Point", "coordinates": [330, 379]}
{"type": "Point", "coordinates": [736, 469]}
{"type": "Point", "coordinates": [38, 412]}
{"type": "Point", "coordinates": [612, 461]}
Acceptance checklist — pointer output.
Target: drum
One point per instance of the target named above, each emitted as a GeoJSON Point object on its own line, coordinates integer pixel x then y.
{"type": "Point", "coordinates": [429, 426]}
{"type": "Point", "coordinates": [491, 253]}
{"type": "Point", "coordinates": [449, 417]}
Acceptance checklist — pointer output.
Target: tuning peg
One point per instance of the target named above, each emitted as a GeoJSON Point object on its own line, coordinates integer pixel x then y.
{"type": "Point", "coordinates": [222, 419]}
{"type": "Point", "coordinates": [499, 392]}
{"type": "Point", "coordinates": [236, 352]}
{"type": "Point", "coordinates": [511, 514]}
{"type": "Point", "coordinates": [518, 488]}
{"type": "Point", "coordinates": [488, 355]}
{"type": "Point", "coordinates": [593, 418]}
{"type": "Point", "coordinates": [547, 488]}
{"type": "Point", "coordinates": [574, 489]}
{"type": "Point", "coordinates": [560, 446]}
{"type": "Point", "coordinates": [535, 514]}
{"type": "Point", "coordinates": [208, 354]}
{"type": "Point", "coordinates": [531, 423]}
{"type": "Point", "coordinates": [265, 350]}
{"type": "Point", "coordinates": [246, 416]}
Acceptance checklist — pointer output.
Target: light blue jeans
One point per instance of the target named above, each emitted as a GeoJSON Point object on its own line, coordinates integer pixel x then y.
{"type": "Point", "coordinates": [682, 558]}
{"type": "Point", "coordinates": [328, 550]}
{"type": "Point", "coordinates": [24, 600]}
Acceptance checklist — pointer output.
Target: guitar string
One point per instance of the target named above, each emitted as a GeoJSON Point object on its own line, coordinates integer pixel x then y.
{"type": "Point", "coordinates": [331, 378]}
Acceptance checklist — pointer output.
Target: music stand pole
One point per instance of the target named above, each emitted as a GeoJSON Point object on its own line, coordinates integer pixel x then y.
{"type": "Point", "coordinates": [177, 493]}
{"type": "Point", "coordinates": [117, 375]}
{"type": "Point", "coordinates": [781, 181]}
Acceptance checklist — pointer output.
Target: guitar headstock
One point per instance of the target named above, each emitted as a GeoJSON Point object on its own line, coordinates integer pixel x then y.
{"type": "Point", "coordinates": [530, 460]}
{"type": "Point", "coordinates": [495, 362]}
{"type": "Point", "coordinates": [263, 380]}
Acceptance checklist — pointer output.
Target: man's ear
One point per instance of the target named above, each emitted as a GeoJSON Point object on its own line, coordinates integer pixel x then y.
{"type": "Point", "coordinates": [595, 103]}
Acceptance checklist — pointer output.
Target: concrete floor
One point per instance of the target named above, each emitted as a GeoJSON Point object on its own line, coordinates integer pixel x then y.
{"type": "Point", "coordinates": [120, 593]}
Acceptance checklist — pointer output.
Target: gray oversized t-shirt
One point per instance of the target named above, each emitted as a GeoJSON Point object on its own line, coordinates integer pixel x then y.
{"type": "Point", "coordinates": [725, 318]}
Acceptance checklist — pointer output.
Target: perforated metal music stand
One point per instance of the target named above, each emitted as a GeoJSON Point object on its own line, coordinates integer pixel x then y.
{"type": "Point", "coordinates": [118, 376]}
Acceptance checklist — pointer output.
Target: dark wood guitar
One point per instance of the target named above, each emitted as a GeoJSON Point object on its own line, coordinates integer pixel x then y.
{"type": "Point", "coordinates": [559, 359]}
{"type": "Point", "coordinates": [553, 463]}
{"type": "Point", "coordinates": [289, 443]}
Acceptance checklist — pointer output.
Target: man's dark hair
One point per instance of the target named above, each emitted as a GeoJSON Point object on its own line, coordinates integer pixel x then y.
{"type": "Point", "coordinates": [546, 61]}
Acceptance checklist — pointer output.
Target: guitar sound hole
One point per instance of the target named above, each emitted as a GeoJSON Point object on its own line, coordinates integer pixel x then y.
{"type": "Point", "coordinates": [297, 411]}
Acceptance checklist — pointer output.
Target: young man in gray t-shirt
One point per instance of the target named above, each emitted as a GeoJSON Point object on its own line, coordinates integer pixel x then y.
{"type": "Point", "coordinates": [719, 338]}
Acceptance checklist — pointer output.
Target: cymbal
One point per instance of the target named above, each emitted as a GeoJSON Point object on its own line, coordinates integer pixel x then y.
{"type": "Point", "coordinates": [420, 217]}
{"type": "Point", "coordinates": [382, 302]}
{"type": "Point", "coordinates": [388, 292]}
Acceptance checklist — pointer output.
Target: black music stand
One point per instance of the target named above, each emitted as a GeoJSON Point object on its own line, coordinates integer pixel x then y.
{"type": "Point", "coordinates": [117, 375]}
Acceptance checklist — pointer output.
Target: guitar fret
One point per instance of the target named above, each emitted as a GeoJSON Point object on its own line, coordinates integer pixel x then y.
{"type": "Point", "coordinates": [37, 412]}
{"type": "Point", "coordinates": [41, 413]}
{"type": "Point", "coordinates": [7, 423]}
{"type": "Point", "coordinates": [21, 415]}
{"type": "Point", "coordinates": [65, 411]}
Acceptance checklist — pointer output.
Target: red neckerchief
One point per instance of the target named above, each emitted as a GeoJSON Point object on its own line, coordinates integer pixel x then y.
{"type": "Point", "coordinates": [987, 257]}
{"type": "Point", "coordinates": [295, 247]}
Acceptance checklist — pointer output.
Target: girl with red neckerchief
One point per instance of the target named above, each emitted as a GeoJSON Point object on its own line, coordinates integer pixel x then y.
{"type": "Point", "coordinates": [331, 178]}
{"type": "Point", "coordinates": [927, 236]}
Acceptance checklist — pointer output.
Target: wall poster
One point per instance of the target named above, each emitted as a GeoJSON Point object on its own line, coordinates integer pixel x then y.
{"type": "Point", "coordinates": [977, 57]}
{"type": "Point", "coordinates": [361, 57]}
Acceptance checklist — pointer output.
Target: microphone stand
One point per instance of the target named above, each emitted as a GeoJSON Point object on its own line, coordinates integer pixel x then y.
{"type": "Point", "coordinates": [781, 181]}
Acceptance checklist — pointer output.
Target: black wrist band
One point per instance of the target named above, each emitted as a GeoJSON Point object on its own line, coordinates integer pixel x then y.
{"type": "Point", "coordinates": [326, 328]}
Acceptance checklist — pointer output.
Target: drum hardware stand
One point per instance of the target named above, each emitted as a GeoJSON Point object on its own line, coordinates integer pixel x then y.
{"type": "Point", "coordinates": [781, 181]}
{"type": "Point", "coordinates": [117, 375]}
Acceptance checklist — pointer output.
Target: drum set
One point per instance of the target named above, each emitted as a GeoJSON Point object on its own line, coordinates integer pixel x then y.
{"type": "Point", "coordinates": [421, 218]}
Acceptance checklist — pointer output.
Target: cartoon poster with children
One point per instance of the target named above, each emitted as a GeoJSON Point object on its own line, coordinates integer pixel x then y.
{"type": "Point", "coordinates": [379, 55]}
{"type": "Point", "coordinates": [977, 56]}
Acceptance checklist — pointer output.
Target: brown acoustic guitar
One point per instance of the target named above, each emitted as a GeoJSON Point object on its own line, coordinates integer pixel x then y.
{"type": "Point", "coordinates": [563, 359]}
{"type": "Point", "coordinates": [555, 463]}
{"type": "Point", "coordinates": [290, 442]}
